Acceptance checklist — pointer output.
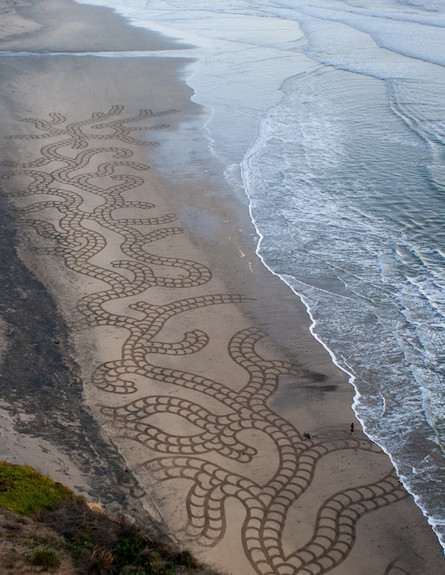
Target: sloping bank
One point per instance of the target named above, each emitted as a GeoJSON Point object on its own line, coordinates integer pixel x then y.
{"type": "Point", "coordinates": [45, 526]}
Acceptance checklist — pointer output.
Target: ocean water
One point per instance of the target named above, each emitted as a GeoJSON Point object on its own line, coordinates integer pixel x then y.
{"type": "Point", "coordinates": [330, 116]}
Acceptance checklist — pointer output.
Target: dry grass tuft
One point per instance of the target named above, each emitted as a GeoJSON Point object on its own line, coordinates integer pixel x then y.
{"type": "Point", "coordinates": [81, 536]}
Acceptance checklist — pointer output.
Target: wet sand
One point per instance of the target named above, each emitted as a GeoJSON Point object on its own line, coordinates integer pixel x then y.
{"type": "Point", "coordinates": [150, 361]}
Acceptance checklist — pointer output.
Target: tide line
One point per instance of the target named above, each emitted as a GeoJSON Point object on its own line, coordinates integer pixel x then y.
{"type": "Point", "coordinates": [103, 54]}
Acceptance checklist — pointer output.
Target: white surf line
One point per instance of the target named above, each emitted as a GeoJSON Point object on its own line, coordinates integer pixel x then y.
{"type": "Point", "coordinates": [107, 54]}
{"type": "Point", "coordinates": [384, 405]}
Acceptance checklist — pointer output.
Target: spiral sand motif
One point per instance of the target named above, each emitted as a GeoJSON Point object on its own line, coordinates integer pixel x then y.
{"type": "Point", "coordinates": [69, 167]}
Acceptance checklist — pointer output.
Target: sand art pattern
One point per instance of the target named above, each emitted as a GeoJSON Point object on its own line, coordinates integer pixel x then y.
{"type": "Point", "coordinates": [68, 171]}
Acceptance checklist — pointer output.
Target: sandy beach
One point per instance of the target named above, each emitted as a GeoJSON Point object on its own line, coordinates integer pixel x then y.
{"type": "Point", "coordinates": [149, 360]}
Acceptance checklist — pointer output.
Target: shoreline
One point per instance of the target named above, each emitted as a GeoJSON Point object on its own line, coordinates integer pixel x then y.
{"type": "Point", "coordinates": [214, 397]}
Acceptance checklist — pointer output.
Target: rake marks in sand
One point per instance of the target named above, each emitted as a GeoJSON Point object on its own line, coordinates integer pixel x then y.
{"type": "Point", "coordinates": [70, 169]}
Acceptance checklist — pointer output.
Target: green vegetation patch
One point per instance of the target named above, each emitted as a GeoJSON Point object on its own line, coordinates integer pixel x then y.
{"type": "Point", "coordinates": [25, 491]}
{"type": "Point", "coordinates": [44, 558]}
{"type": "Point", "coordinates": [65, 529]}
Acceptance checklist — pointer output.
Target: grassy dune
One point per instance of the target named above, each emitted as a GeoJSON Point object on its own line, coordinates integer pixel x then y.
{"type": "Point", "coordinates": [46, 528]}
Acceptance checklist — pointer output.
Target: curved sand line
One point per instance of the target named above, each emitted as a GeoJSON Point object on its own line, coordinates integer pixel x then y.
{"type": "Point", "coordinates": [230, 419]}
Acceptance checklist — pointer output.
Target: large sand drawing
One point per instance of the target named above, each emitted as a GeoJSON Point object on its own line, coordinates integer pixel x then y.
{"type": "Point", "coordinates": [81, 160]}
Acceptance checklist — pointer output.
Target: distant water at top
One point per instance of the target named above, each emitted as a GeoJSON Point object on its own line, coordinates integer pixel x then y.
{"type": "Point", "coordinates": [330, 114]}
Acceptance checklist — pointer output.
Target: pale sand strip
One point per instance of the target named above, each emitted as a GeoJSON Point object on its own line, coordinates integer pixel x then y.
{"type": "Point", "coordinates": [208, 412]}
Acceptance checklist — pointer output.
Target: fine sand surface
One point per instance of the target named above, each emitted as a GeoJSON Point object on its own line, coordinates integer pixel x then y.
{"type": "Point", "coordinates": [170, 375]}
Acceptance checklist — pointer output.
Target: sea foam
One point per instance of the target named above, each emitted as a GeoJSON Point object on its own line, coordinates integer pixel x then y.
{"type": "Point", "coordinates": [335, 112]}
